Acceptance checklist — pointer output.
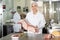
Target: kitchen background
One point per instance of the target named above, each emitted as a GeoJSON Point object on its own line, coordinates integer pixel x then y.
{"type": "Point", "coordinates": [1, 18]}
{"type": "Point", "coordinates": [50, 9]}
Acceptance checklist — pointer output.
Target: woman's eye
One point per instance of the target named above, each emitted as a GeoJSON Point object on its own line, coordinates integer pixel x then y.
{"type": "Point", "coordinates": [32, 6]}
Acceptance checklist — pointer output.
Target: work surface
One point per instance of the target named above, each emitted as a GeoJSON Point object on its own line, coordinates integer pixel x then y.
{"type": "Point", "coordinates": [30, 37]}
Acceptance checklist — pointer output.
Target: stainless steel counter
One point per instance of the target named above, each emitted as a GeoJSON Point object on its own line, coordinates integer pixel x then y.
{"type": "Point", "coordinates": [26, 37]}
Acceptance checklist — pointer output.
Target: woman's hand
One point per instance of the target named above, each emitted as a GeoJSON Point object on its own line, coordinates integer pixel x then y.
{"type": "Point", "coordinates": [36, 29]}
{"type": "Point", "coordinates": [33, 28]}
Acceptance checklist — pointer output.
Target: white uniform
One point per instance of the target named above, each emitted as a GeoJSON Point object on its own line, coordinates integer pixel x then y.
{"type": "Point", "coordinates": [16, 26]}
{"type": "Point", "coordinates": [36, 20]}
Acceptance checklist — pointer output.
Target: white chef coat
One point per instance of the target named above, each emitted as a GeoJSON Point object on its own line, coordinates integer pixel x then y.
{"type": "Point", "coordinates": [36, 20]}
{"type": "Point", "coordinates": [16, 26]}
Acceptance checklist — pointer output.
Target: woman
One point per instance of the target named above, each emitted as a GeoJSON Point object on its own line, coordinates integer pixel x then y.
{"type": "Point", "coordinates": [34, 21]}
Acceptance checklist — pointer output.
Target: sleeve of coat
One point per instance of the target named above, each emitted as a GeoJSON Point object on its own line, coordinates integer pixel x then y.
{"type": "Point", "coordinates": [42, 22]}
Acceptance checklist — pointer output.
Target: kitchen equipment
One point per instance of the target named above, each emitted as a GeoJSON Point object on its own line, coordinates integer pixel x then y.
{"type": "Point", "coordinates": [55, 30]}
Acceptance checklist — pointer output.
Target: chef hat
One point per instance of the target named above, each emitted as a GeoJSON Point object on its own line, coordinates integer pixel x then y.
{"type": "Point", "coordinates": [33, 2]}
{"type": "Point", "coordinates": [39, 3]}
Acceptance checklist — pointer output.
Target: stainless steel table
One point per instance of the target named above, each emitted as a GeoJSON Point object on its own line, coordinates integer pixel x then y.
{"type": "Point", "coordinates": [26, 37]}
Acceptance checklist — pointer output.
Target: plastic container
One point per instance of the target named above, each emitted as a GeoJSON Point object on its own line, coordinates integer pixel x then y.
{"type": "Point", "coordinates": [15, 37]}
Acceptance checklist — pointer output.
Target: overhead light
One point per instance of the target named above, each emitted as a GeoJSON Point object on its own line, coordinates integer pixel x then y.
{"type": "Point", "coordinates": [51, 0]}
{"type": "Point", "coordinates": [55, 0]}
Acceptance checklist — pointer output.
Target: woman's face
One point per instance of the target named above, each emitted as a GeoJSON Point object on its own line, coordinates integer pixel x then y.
{"type": "Point", "coordinates": [34, 7]}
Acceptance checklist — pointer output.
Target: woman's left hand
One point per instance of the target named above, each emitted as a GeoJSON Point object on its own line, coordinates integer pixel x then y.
{"type": "Point", "coordinates": [36, 29]}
